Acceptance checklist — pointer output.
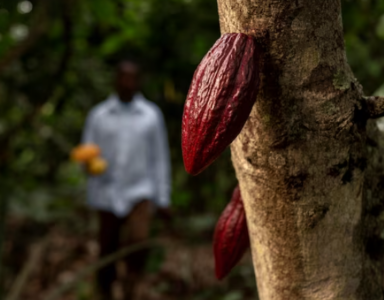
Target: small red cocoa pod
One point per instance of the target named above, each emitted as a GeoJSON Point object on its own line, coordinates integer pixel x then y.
{"type": "Point", "coordinates": [231, 238]}
{"type": "Point", "coordinates": [220, 99]}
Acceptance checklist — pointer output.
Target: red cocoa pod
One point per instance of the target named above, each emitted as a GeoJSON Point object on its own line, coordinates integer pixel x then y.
{"type": "Point", "coordinates": [231, 238]}
{"type": "Point", "coordinates": [220, 99]}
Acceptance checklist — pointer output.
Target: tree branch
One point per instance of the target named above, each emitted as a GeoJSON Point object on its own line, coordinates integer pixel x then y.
{"type": "Point", "coordinates": [56, 293]}
{"type": "Point", "coordinates": [22, 278]}
{"type": "Point", "coordinates": [375, 106]}
{"type": "Point", "coordinates": [67, 21]}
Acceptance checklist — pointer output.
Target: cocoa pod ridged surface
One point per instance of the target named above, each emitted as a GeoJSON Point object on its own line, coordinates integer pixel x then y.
{"type": "Point", "coordinates": [220, 99]}
{"type": "Point", "coordinates": [231, 237]}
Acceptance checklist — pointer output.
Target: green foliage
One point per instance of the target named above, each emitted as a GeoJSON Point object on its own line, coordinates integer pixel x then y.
{"type": "Point", "coordinates": [47, 91]}
{"type": "Point", "coordinates": [66, 67]}
{"type": "Point", "coordinates": [364, 27]}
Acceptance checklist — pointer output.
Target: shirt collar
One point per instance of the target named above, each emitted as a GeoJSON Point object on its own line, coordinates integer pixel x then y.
{"type": "Point", "coordinates": [116, 105]}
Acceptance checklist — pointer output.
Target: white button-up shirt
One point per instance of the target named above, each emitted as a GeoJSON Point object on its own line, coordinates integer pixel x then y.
{"type": "Point", "coordinates": [133, 140]}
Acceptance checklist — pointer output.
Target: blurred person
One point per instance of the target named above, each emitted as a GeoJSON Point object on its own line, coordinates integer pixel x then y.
{"type": "Point", "coordinates": [131, 134]}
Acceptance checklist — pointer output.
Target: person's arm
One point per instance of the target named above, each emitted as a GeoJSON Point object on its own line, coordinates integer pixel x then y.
{"type": "Point", "coordinates": [161, 165]}
{"type": "Point", "coordinates": [89, 131]}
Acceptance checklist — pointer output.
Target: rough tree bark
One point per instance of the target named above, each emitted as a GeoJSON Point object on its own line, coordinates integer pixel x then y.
{"type": "Point", "coordinates": [301, 157]}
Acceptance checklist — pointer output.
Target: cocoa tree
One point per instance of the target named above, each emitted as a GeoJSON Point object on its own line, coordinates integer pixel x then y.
{"type": "Point", "coordinates": [308, 165]}
{"type": "Point", "coordinates": [300, 158]}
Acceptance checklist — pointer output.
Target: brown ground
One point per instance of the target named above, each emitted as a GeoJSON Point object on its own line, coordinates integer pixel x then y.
{"type": "Point", "coordinates": [57, 253]}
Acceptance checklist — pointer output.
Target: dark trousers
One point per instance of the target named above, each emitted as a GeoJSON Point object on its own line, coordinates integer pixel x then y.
{"type": "Point", "coordinates": [117, 232]}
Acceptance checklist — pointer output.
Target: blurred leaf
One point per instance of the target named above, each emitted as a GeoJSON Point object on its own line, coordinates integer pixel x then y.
{"type": "Point", "coordinates": [379, 91]}
{"type": "Point", "coordinates": [234, 295]}
{"type": "Point", "coordinates": [380, 28]}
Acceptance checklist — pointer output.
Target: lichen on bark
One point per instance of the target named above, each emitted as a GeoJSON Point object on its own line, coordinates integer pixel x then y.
{"type": "Point", "coordinates": [341, 80]}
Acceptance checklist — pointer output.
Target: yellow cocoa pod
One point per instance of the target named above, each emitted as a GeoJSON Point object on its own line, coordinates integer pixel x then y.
{"type": "Point", "coordinates": [84, 153]}
{"type": "Point", "coordinates": [96, 166]}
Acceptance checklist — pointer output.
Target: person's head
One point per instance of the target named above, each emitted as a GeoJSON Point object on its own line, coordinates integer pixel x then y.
{"type": "Point", "coordinates": [127, 81]}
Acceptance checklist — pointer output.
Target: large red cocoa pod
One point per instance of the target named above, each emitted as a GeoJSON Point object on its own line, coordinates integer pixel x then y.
{"type": "Point", "coordinates": [220, 99]}
{"type": "Point", "coordinates": [231, 238]}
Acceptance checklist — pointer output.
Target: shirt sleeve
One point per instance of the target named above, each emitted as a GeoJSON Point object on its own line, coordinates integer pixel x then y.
{"type": "Point", "coordinates": [89, 131]}
{"type": "Point", "coordinates": [161, 163]}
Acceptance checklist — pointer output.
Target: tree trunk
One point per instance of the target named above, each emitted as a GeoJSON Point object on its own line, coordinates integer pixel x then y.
{"type": "Point", "coordinates": [300, 159]}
